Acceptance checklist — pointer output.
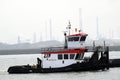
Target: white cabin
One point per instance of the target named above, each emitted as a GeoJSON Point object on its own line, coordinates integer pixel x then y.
{"type": "Point", "coordinates": [61, 59]}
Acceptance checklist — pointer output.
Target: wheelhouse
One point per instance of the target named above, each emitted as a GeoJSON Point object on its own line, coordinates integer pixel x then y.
{"type": "Point", "coordinates": [76, 40]}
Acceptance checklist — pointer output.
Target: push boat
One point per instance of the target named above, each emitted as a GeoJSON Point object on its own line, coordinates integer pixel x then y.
{"type": "Point", "coordinates": [71, 57]}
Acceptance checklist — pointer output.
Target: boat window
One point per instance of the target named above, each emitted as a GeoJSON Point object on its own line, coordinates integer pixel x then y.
{"type": "Point", "coordinates": [72, 56]}
{"type": "Point", "coordinates": [76, 38]}
{"type": "Point", "coordinates": [65, 56]}
{"type": "Point", "coordinates": [46, 55]}
{"type": "Point", "coordinates": [73, 38]}
{"type": "Point", "coordinates": [59, 56]}
{"type": "Point", "coordinates": [79, 56]}
{"type": "Point", "coordinates": [70, 38]}
{"type": "Point", "coordinates": [83, 38]}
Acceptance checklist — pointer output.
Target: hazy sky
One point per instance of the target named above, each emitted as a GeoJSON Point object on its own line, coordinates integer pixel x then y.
{"type": "Point", "coordinates": [26, 18]}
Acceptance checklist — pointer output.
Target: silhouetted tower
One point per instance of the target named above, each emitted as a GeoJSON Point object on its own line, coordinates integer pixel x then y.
{"type": "Point", "coordinates": [111, 33]}
{"type": "Point", "coordinates": [50, 29]}
{"type": "Point", "coordinates": [97, 28]}
{"type": "Point", "coordinates": [34, 38]}
{"type": "Point", "coordinates": [80, 19]}
{"type": "Point", "coordinates": [41, 37]}
{"type": "Point", "coordinates": [18, 41]}
{"type": "Point", "coordinates": [45, 30]}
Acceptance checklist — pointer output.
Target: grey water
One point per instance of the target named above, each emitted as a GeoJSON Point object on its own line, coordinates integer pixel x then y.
{"type": "Point", "coordinates": [11, 60]}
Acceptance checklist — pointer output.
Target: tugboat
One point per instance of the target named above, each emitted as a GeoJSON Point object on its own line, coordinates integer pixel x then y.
{"type": "Point", "coordinates": [71, 57]}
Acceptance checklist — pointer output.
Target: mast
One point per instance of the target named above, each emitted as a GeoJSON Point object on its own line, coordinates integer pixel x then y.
{"type": "Point", "coordinates": [69, 27]}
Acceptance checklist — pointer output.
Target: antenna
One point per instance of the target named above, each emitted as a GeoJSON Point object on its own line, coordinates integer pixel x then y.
{"type": "Point", "coordinates": [69, 27]}
{"type": "Point", "coordinates": [80, 19]}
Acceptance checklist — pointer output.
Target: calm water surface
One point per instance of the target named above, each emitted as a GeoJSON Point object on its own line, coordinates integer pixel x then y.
{"type": "Point", "coordinates": [10, 60]}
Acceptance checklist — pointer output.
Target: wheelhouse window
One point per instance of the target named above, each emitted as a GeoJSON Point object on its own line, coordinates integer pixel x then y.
{"type": "Point", "coordinates": [83, 38]}
{"type": "Point", "coordinates": [79, 56]}
{"type": "Point", "coordinates": [60, 56]}
{"type": "Point", "coordinates": [76, 38]}
{"type": "Point", "coordinates": [47, 55]}
{"type": "Point", "coordinates": [73, 38]}
{"type": "Point", "coordinates": [70, 38]}
{"type": "Point", "coordinates": [72, 56]}
{"type": "Point", "coordinates": [65, 56]}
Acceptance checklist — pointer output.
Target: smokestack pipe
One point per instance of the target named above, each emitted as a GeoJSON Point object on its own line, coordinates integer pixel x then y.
{"type": "Point", "coordinates": [65, 45]}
